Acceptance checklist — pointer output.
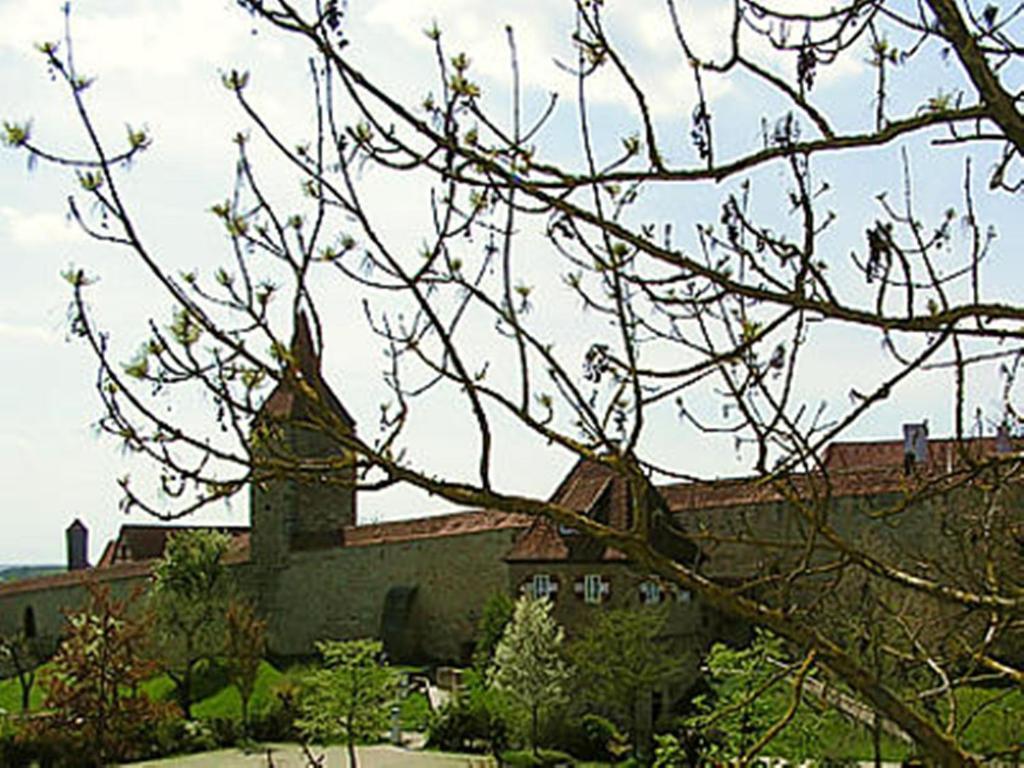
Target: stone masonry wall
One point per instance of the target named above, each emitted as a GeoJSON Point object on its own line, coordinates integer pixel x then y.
{"type": "Point", "coordinates": [340, 593]}
{"type": "Point", "coordinates": [48, 605]}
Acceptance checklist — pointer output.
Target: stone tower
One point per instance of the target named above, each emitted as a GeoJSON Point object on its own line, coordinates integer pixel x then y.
{"type": "Point", "coordinates": [313, 497]}
{"type": "Point", "coordinates": [77, 538]}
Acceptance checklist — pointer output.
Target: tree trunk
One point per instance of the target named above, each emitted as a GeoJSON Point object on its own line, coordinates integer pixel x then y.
{"type": "Point", "coordinates": [245, 715]}
{"type": "Point", "coordinates": [26, 692]}
{"type": "Point", "coordinates": [352, 763]}
{"type": "Point", "coordinates": [185, 693]}
{"type": "Point", "coordinates": [533, 728]}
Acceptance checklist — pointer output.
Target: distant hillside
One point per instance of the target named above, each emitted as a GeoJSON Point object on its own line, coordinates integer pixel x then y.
{"type": "Point", "coordinates": [17, 572]}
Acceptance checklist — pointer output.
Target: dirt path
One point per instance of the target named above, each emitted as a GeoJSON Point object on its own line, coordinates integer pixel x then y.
{"type": "Point", "coordinates": [290, 756]}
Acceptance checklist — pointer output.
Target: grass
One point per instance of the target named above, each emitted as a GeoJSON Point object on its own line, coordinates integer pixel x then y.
{"type": "Point", "coordinates": [10, 694]}
{"type": "Point", "coordinates": [991, 722]}
{"type": "Point", "coordinates": [216, 698]}
{"type": "Point", "coordinates": [994, 718]}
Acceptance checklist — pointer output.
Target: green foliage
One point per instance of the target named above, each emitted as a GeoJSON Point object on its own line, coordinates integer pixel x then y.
{"type": "Point", "coordinates": [18, 572]}
{"type": "Point", "coordinates": [743, 683]}
{"type": "Point", "coordinates": [542, 758]}
{"type": "Point", "coordinates": [16, 134]}
{"type": "Point", "coordinates": [497, 613]}
{"type": "Point", "coordinates": [475, 720]}
{"type": "Point", "coordinates": [185, 329]}
{"type": "Point", "coordinates": [189, 599]}
{"type": "Point", "coordinates": [415, 712]}
{"type": "Point", "coordinates": [349, 699]}
{"type": "Point", "coordinates": [528, 662]}
{"type": "Point", "coordinates": [620, 657]}
{"type": "Point", "coordinates": [10, 694]}
{"type": "Point", "coordinates": [20, 657]}
{"type": "Point", "coordinates": [749, 693]}
{"type": "Point", "coordinates": [604, 739]}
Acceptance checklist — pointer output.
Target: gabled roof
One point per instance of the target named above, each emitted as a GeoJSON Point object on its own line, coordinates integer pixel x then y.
{"type": "Point", "coordinates": [591, 489]}
{"type": "Point", "coordinates": [137, 543]}
{"type": "Point", "coordinates": [285, 402]}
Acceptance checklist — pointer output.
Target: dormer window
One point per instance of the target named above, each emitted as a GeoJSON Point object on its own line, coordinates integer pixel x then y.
{"type": "Point", "coordinates": [681, 595]}
{"type": "Point", "coordinates": [542, 586]}
{"type": "Point", "coordinates": [651, 592]}
{"type": "Point", "coordinates": [592, 588]}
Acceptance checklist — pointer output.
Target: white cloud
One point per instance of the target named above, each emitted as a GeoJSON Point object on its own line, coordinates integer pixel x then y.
{"type": "Point", "coordinates": [33, 333]}
{"type": "Point", "coordinates": [39, 228]}
{"type": "Point", "coordinates": [641, 32]}
{"type": "Point", "coordinates": [159, 38]}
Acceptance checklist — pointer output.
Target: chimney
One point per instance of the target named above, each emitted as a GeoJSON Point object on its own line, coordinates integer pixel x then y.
{"type": "Point", "coordinates": [1003, 444]}
{"type": "Point", "coordinates": [915, 445]}
{"type": "Point", "coordinates": [77, 537]}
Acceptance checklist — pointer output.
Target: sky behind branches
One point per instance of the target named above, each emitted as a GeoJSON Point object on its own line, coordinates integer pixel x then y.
{"type": "Point", "coordinates": [158, 64]}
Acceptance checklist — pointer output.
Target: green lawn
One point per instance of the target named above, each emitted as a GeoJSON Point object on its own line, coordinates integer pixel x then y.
{"type": "Point", "coordinates": [10, 694]}
{"type": "Point", "coordinates": [991, 722]}
{"type": "Point", "coordinates": [216, 698]}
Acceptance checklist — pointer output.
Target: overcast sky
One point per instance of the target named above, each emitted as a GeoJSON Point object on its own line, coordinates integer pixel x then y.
{"type": "Point", "coordinates": [158, 64]}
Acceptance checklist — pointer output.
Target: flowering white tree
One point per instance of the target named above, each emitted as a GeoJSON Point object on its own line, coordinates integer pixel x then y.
{"type": "Point", "coordinates": [528, 662]}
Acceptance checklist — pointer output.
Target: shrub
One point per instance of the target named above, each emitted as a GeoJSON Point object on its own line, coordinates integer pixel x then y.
{"type": "Point", "coordinates": [476, 720]}
{"type": "Point", "coordinates": [95, 711]}
{"type": "Point", "coordinates": [274, 724]}
{"type": "Point", "coordinates": [415, 712]}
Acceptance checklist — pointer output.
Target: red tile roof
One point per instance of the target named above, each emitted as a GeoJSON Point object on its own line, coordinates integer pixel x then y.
{"type": "Point", "coordinates": [284, 402]}
{"type": "Point", "coordinates": [852, 469]}
{"type": "Point", "coordinates": [136, 543]}
{"type": "Point", "coordinates": [454, 524]}
{"type": "Point", "coordinates": [592, 489]}
{"type": "Point", "coordinates": [146, 543]}
{"type": "Point", "coordinates": [743, 491]}
{"type": "Point", "coordinates": [75, 578]}
{"type": "Point", "coordinates": [942, 453]}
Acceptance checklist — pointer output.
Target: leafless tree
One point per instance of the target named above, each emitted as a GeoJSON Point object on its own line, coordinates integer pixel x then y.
{"type": "Point", "coordinates": [675, 320]}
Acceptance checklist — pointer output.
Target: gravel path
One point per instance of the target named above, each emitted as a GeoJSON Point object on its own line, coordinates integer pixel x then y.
{"type": "Point", "coordinates": [290, 756]}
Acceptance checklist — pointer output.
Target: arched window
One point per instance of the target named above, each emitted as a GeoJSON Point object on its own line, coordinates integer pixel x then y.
{"type": "Point", "coordinates": [30, 623]}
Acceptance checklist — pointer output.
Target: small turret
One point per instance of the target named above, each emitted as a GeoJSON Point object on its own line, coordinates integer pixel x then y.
{"type": "Point", "coordinates": [309, 508]}
{"type": "Point", "coordinates": [77, 539]}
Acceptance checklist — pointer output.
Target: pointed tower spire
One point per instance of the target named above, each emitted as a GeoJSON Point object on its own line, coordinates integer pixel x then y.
{"type": "Point", "coordinates": [284, 402]}
{"type": "Point", "coordinates": [303, 348]}
{"type": "Point", "coordinates": [310, 508]}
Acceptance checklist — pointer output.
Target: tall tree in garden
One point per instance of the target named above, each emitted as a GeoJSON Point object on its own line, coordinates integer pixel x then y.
{"type": "Point", "coordinates": [620, 658]}
{"type": "Point", "coordinates": [20, 657]}
{"type": "Point", "coordinates": [189, 599]}
{"type": "Point", "coordinates": [703, 322]}
{"type": "Point", "coordinates": [350, 697]}
{"type": "Point", "coordinates": [96, 712]}
{"type": "Point", "coordinates": [495, 617]}
{"type": "Point", "coordinates": [244, 646]}
{"type": "Point", "coordinates": [746, 687]}
{"type": "Point", "coordinates": [529, 662]}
